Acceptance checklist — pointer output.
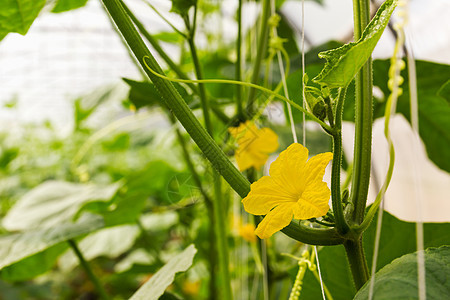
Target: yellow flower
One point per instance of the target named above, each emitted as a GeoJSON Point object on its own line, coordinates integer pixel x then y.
{"type": "Point", "coordinates": [293, 189]}
{"type": "Point", "coordinates": [254, 145]}
{"type": "Point", "coordinates": [247, 232]}
{"type": "Point", "coordinates": [191, 288]}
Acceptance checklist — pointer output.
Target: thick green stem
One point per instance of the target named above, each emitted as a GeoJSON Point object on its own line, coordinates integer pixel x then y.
{"type": "Point", "coordinates": [363, 120]}
{"type": "Point", "coordinates": [204, 141]}
{"type": "Point", "coordinates": [260, 53]}
{"type": "Point", "coordinates": [221, 238]}
{"type": "Point", "coordinates": [362, 149]}
{"type": "Point", "coordinates": [87, 268]}
{"type": "Point", "coordinates": [341, 223]}
{"type": "Point", "coordinates": [357, 261]}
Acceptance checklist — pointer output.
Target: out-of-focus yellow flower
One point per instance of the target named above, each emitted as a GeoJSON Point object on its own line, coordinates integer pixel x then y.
{"type": "Point", "coordinates": [254, 145]}
{"type": "Point", "coordinates": [293, 189]}
{"type": "Point", "coordinates": [191, 288]}
{"type": "Point", "coordinates": [247, 232]}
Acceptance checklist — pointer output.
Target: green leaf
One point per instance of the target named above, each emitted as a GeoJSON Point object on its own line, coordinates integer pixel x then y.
{"type": "Point", "coordinates": [119, 142]}
{"type": "Point", "coordinates": [144, 93]}
{"type": "Point", "coordinates": [434, 109]}
{"type": "Point", "coordinates": [18, 15]}
{"type": "Point", "coordinates": [155, 286]}
{"type": "Point", "coordinates": [138, 257]}
{"type": "Point", "coordinates": [139, 186]}
{"type": "Point", "coordinates": [286, 30]}
{"type": "Point", "coordinates": [7, 155]}
{"type": "Point", "coordinates": [110, 242]}
{"type": "Point", "coordinates": [53, 203]}
{"type": "Point", "coordinates": [397, 239]}
{"type": "Point", "coordinates": [444, 91]}
{"type": "Point", "coordinates": [86, 105]}
{"type": "Point", "coordinates": [28, 254]}
{"type": "Point", "coordinates": [66, 5]}
{"type": "Point", "coordinates": [182, 7]}
{"type": "Point", "coordinates": [398, 280]}
{"type": "Point", "coordinates": [168, 37]}
{"type": "Point", "coordinates": [343, 63]}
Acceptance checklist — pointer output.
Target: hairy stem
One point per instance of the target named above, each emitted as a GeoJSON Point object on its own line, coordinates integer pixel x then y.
{"type": "Point", "coordinates": [341, 223]}
{"type": "Point", "coordinates": [357, 261]}
{"type": "Point", "coordinates": [363, 120]}
{"type": "Point", "coordinates": [362, 149]}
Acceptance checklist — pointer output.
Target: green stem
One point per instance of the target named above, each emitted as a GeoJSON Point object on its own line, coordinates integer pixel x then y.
{"type": "Point", "coordinates": [219, 211]}
{"type": "Point", "coordinates": [221, 238]}
{"type": "Point", "coordinates": [238, 72]}
{"type": "Point", "coordinates": [357, 261]}
{"type": "Point", "coordinates": [190, 164]}
{"type": "Point", "coordinates": [363, 120]}
{"type": "Point", "coordinates": [204, 141]}
{"type": "Point", "coordinates": [260, 53]}
{"type": "Point", "coordinates": [87, 268]}
{"type": "Point", "coordinates": [362, 150]}
{"type": "Point", "coordinates": [199, 73]}
{"type": "Point", "coordinates": [341, 223]}
{"type": "Point", "coordinates": [165, 19]}
{"type": "Point", "coordinates": [219, 223]}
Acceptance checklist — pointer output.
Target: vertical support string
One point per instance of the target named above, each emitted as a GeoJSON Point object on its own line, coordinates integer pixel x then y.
{"type": "Point", "coordinates": [283, 77]}
{"type": "Point", "coordinates": [418, 195]}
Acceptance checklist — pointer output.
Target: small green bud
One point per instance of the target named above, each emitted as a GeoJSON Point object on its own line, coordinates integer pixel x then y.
{"type": "Point", "coordinates": [315, 104]}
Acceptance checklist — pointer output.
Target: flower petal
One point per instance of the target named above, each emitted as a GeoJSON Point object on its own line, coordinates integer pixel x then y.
{"type": "Point", "coordinates": [244, 160]}
{"type": "Point", "coordinates": [275, 220]}
{"type": "Point", "coordinates": [315, 167]}
{"type": "Point", "coordinates": [313, 202]}
{"type": "Point", "coordinates": [288, 168]}
{"type": "Point", "coordinates": [266, 141]}
{"type": "Point", "coordinates": [264, 195]}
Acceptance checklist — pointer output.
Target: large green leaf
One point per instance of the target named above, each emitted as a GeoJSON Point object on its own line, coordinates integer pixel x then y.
{"type": "Point", "coordinates": [18, 15]}
{"type": "Point", "coordinates": [66, 5]}
{"type": "Point", "coordinates": [152, 181]}
{"type": "Point", "coordinates": [343, 63]}
{"type": "Point", "coordinates": [110, 242]}
{"type": "Point", "coordinates": [157, 284]}
{"type": "Point", "coordinates": [444, 91]}
{"type": "Point", "coordinates": [434, 106]}
{"type": "Point", "coordinates": [398, 280]}
{"type": "Point", "coordinates": [54, 202]}
{"type": "Point", "coordinates": [434, 109]}
{"type": "Point", "coordinates": [397, 239]}
{"type": "Point", "coordinates": [28, 254]}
